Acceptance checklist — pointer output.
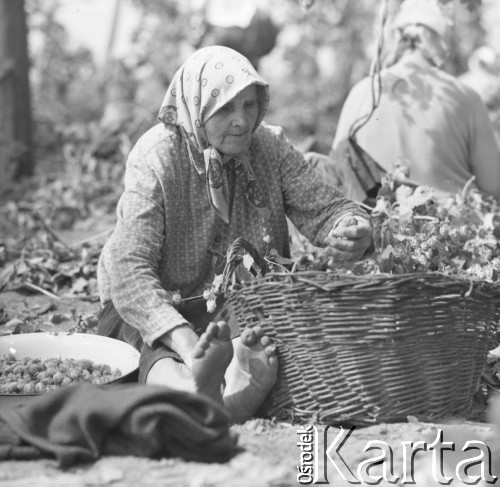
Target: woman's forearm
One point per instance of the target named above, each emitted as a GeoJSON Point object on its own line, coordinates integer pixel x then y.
{"type": "Point", "coordinates": [182, 339]}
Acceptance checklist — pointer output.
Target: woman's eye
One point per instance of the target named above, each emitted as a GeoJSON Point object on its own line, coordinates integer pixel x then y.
{"type": "Point", "coordinates": [226, 108]}
{"type": "Point", "coordinates": [250, 104]}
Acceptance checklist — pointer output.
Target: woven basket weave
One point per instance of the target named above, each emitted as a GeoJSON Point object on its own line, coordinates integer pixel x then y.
{"type": "Point", "coordinates": [374, 348]}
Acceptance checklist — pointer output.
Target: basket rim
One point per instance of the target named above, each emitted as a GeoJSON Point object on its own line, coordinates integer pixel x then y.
{"type": "Point", "coordinates": [331, 281]}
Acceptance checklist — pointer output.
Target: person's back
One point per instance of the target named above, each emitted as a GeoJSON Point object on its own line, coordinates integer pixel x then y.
{"type": "Point", "coordinates": [426, 120]}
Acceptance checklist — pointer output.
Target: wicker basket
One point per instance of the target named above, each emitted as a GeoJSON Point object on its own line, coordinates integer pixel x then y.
{"type": "Point", "coordinates": [375, 348]}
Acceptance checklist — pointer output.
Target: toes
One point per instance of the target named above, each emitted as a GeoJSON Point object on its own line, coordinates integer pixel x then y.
{"type": "Point", "coordinates": [248, 337]}
{"type": "Point", "coordinates": [273, 360]}
{"type": "Point", "coordinates": [214, 331]}
{"type": "Point", "coordinates": [204, 342]}
{"type": "Point", "coordinates": [198, 352]}
{"type": "Point", "coordinates": [218, 330]}
{"type": "Point", "coordinates": [223, 331]}
{"type": "Point", "coordinates": [271, 353]}
{"type": "Point", "coordinates": [268, 346]}
{"type": "Point", "coordinates": [208, 336]}
{"type": "Point", "coordinates": [251, 336]}
{"type": "Point", "coordinates": [258, 332]}
{"type": "Point", "coordinates": [211, 331]}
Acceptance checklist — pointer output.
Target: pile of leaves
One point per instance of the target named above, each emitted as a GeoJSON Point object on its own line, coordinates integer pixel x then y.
{"type": "Point", "coordinates": [53, 270]}
{"type": "Point", "coordinates": [32, 254]}
{"type": "Point", "coordinates": [82, 182]}
{"type": "Point", "coordinates": [418, 229]}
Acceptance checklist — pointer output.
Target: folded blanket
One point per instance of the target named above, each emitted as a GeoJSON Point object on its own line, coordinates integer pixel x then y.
{"type": "Point", "coordinates": [83, 422]}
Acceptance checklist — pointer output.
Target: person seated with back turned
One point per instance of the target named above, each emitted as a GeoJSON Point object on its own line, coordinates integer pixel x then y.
{"type": "Point", "coordinates": [212, 171]}
{"type": "Point", "coordinates": [426, 119]}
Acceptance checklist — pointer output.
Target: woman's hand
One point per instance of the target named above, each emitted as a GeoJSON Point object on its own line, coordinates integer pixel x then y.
{"type": "Point", "coordinates": [350, 238]}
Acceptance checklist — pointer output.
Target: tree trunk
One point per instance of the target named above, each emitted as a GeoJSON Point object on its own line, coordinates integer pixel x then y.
{"type": "Point", "coordinates": [16, 155]}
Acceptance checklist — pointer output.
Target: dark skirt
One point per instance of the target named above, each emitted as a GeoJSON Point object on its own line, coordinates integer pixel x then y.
{"type": "Point", "coordinates": [111, 324]}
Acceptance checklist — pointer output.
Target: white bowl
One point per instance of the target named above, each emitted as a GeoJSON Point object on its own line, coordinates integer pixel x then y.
{"type": "Point", "coordinates": [97, 348]}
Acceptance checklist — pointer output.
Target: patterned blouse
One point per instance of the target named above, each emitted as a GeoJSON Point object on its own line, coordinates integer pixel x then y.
{"type": "Point", "coordinates": [167, 232]}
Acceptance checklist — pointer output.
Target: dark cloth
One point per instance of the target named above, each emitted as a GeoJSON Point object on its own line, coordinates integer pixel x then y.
{"type": "Point", "coordinates": [83, 422]}
{"type": "Point", "coordinates": [360, 175]}
{"type": "Point", "coordinates": [112, 325]}
{"type": "Point", "coordinates": [350, 169]}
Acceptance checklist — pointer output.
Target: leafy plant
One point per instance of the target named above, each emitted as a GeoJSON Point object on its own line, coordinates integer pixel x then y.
{"type": "Point", "coordinates": [418, 229]}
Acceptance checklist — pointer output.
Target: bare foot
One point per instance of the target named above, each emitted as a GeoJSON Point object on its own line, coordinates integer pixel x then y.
{"type": "Point", "coordinates": [211, 356]}
{"type": "Point", "coordinates": [251, 374]}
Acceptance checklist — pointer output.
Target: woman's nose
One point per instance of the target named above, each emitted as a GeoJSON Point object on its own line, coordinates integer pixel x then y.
{"type": "Point", "coordinates": [239, 119]}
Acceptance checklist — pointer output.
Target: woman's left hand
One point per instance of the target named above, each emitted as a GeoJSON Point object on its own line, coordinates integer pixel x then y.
{"type": "Point", "coordinates": [349, 239]}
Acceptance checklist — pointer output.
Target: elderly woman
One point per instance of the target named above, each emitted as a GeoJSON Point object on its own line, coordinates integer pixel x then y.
{"type": "Point", "coordinates": [209, 173]}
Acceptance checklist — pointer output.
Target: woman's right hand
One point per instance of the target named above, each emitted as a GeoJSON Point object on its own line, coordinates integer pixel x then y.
{"type": "Point", "coordinates": [350, 238]}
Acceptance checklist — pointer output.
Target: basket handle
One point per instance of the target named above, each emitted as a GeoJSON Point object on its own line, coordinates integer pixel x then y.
{"type": "Point", "coordinates": [234, 258]}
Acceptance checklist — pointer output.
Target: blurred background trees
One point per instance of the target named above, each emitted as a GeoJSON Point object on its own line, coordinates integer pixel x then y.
{"type": "Point", "coordinates": [15, 120]}
{"type": "Point", "coordinates": [310, 51]}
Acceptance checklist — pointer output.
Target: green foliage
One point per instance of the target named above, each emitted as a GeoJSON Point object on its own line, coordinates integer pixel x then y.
{"type": "Point", "coordinates": [65, 86]}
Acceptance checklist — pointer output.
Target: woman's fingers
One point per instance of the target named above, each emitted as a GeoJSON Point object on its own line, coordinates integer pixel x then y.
{"type": "Point", "coordinates": [356, 231]}
{"type": "Point", "coordinates": [345, 250]}
{"type": "Point", "coordinates": [350, 239]}
{"type": "Point", "coordinates": [349, 245]}
{"type": "Point", "coordinates": [346, 222]}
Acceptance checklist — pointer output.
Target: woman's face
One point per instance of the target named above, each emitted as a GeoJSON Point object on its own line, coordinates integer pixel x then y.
{"type": "Point", "coordinates": [230, 128]}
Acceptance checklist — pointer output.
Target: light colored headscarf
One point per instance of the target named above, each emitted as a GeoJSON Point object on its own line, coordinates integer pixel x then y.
{"type": "Point", "coordinates": [424, 24]}
{"type": "Point", "coordinates": [209, 79]}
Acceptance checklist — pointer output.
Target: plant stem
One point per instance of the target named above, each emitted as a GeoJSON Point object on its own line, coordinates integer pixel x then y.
{"type": "Point", "coordinates": [40, 290]}
{"type": "Point", "coordinates": [192, 297]}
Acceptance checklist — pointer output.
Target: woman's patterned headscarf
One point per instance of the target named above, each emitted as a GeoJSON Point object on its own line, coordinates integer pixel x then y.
{"type": "Point", "coordinates": [209, 79]}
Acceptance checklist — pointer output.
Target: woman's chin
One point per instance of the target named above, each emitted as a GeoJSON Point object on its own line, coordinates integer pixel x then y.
{"type": "Point", "coordinates": [235, 150]}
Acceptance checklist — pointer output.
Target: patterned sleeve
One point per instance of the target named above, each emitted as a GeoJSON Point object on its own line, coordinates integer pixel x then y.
{"type": "Point", "coordinates": [312, 205]}
{"type": "Point", "coordinates": [136, 244]}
